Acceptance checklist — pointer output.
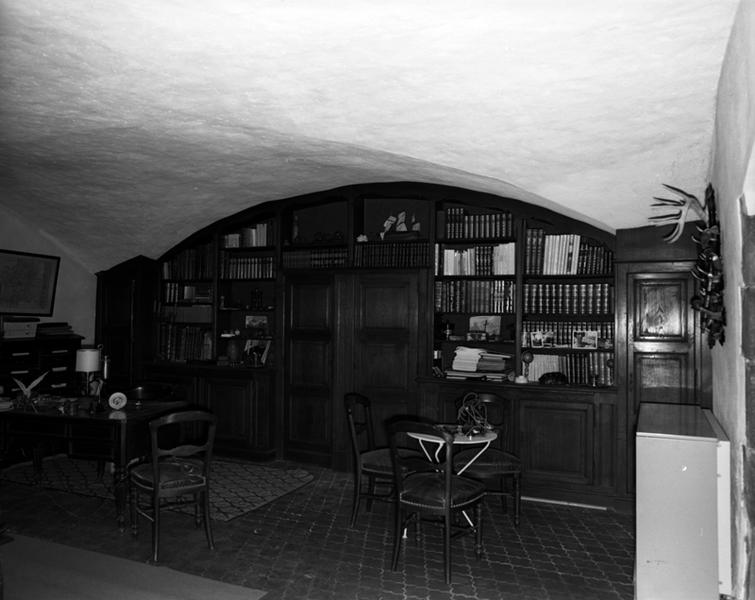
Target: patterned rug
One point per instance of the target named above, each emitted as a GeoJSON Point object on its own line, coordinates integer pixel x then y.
{"type": "Point", "coordinates": [236, 487]}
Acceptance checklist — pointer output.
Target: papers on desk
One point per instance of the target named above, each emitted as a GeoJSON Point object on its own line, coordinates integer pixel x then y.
{"type": "Point", "coordinates": [452, 374]}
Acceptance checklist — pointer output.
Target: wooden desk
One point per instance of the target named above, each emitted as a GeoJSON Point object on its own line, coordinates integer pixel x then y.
{"type": "Point", "coordinates": [109, 436]}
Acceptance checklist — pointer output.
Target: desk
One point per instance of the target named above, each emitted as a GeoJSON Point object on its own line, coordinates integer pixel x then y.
{"type": "Point", "coordinates": [460, 439]}
{"type": "Point", "coordinates": [110, 436]}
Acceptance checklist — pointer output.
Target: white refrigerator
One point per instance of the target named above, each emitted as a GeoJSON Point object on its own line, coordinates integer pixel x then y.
{"type": "Point", "coordinates": [683, 512]}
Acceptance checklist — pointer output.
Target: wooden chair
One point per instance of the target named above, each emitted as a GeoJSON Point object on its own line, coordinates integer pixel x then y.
{"type": "Point", "coordinates": [496, 466]}
{"type": "Point", "coordinates": [371, 465]}
{"type": "Point", "coordinates": [433, 493]}
{"type": "Point", "coordinates": [178, 472]}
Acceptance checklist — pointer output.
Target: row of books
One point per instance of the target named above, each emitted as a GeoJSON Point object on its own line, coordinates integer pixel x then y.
{"type": "Point", "coordinates": [193, 263]}
{"type": "Point", "coordinates": [180, 343]}
{"type": "Point", "coordinates": [178, 292]}
{"type": "Point", "coordinates": [554, 334]}
{"type": "Point", "coordinates": [564, 254]}
{"type": "Point", "coordinates": [568, 298]}
{"type": "Point", "coordinates": [259, 235]}
{"type": "Point", "coordinates": [495, 296]}
{"type": "Point", "coordinates": [187, 313]}
{"type": "Point", "coordinates": [315, 258]}
{"type": "Point", "coordinates": [580, 369]}
{"type": "Point", "coordinates": [499, 259]}
{"type": "Point", "coordinates": [392, 255]}
{"type": "Point", "coordinates": [461, 224]}
{"type": "Point", "coordinates": [247, 267]}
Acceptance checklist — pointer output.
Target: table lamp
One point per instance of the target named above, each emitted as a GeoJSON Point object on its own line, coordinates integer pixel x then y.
{"type": "Point", "coordinates": [88, 362]}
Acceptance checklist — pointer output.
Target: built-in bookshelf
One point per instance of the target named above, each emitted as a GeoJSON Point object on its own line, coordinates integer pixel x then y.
{"type": "Point", "coordinates": [502, 281]}
{"type": "Point", "coordinates": [568, 307]}
{"type": "Point", "coordinates": [247, 275]}
{"type": "Point", "coordinates": [475, 291]}
{"type": "Point", "coordinates": [185, 309]}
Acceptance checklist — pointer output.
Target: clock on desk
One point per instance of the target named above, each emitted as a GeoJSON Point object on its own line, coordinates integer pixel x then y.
{"type": "Point", "coordinates": [117, 400]}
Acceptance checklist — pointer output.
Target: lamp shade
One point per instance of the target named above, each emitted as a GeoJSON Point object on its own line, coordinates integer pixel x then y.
{"type": "Point", "coordinates": [87, 360]}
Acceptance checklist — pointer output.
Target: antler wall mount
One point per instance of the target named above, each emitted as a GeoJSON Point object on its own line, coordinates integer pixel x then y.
{"type": "Point", "coordinates": [708, 269]}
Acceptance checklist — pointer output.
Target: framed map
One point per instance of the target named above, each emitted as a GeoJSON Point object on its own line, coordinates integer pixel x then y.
{"type": "Point", "coordinates": [27, 283]}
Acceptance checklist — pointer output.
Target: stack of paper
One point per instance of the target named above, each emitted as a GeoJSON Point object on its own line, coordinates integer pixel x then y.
{"type": "Point", "coordinates": [466, 359]}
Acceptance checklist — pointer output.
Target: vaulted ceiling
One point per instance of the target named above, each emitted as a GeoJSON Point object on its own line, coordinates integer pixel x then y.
{"type": "Point", "coordinates": [128, 124]}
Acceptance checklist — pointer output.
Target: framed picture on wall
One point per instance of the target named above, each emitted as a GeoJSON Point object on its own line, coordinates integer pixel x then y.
{"type": "Point", "coordinates": [27, 283]}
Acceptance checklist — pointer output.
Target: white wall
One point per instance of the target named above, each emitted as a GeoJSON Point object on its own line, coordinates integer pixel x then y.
{"type": "Point", "coordinates": [733, 141]}
{"type": "Point", "coordinates": [75, 297]}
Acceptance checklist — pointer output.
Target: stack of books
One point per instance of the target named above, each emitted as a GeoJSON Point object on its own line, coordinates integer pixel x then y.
{"type": "Point", "coordinates": [493, 362]}
{"type": "Point", "coordinates": [53, 329]}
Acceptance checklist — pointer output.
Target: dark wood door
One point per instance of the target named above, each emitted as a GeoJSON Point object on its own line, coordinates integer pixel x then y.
{"type": "Point", "coordinates": [658, 343]}
{"type": "Point", "coordinates": [308, 379]}
{"type": "Point", "coordinates": [379, 347]}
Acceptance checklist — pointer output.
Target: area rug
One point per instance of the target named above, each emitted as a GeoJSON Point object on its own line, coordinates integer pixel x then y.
{"type": "Point", "coordinates": [237, 487]}
{"type": "Point", "coordinates": [34, 569]}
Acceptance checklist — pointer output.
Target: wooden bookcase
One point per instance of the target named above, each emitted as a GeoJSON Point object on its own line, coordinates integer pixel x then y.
{"type": "Point", "coordinates": [344, 300]}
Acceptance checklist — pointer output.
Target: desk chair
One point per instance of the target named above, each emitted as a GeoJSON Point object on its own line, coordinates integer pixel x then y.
{"type": "Point", "coordinates": [433, 493]}
{"type": "Point", "coordinates": [177, 473]}
{"type": "Point", "coordinates": [496, 466]}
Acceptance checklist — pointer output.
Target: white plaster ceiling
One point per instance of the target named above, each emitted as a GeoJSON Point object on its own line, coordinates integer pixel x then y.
{"type": "Point", "coordinates": [128, 124]}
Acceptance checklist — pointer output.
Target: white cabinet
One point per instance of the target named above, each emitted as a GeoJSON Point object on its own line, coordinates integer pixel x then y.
{"type": "Point", "coordinates": [683, 512]}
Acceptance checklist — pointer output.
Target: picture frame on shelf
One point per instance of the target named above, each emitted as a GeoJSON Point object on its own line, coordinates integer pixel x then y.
{"type": "Point", "coordinates": [256, 325]}
{"type": "Point", "coordinates": [585, 339]}
{"type": "Point", "coordinates": [257, 352]}
{"type": "Point", "coordinates": [484, 328]}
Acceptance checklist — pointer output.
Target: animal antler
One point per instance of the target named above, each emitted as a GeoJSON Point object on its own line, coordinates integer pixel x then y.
{"type": "Point", "coordinates": [678, 214]}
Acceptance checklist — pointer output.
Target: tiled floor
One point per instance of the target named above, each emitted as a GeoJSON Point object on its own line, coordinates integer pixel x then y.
{"type": "Point", "coordinates": [301, 547]}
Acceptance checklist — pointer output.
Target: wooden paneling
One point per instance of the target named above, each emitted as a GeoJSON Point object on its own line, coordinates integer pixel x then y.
{"type": "Point", "coordinates": [557, 443]}
{"type": "Point", "coordinates": [570, 440]}
{"type": "Point", "coordinates": [659, 353]}
{"type": "Point", "coordinates": [308, 386]}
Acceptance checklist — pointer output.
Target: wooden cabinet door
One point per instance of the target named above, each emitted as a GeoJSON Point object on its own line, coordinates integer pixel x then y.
{"type": "Point", "coordinates": [230, 400]}
{"type": "Point", "coordinates": [658, 342]}
{"type": "Point", "coordinates": [383, 336]}
{"type": "Point", "coordinates": [308, 379]}
{"type": "Point", "coordinates": [125, 297]}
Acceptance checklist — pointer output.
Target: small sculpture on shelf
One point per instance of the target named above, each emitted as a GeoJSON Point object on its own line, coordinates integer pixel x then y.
{"type": "Point", "coordinates": [527, 358]}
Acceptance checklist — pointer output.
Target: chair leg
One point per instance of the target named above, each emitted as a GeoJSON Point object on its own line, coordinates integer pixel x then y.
{"type": "Point", "coordinates": [134, 498]}
{"type": "Point", "coordinates": [447, 545]}
{"type": "Point", "coordinates": [356, 497]}
{"type": "Point", "coordinates": [370, 491]}
{"type": "Point", "coordinates": [517, 498]}
{"type": "Point", "coordinates": [398, 526]}
{"type": "Point", "coordinates": [478, 530]}
{"type": "Point", "coordinates": [207, 524]}
{"type": "Point", "coordinates": [155, 527]}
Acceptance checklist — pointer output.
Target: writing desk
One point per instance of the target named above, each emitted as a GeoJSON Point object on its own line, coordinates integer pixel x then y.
{"type": "Point", "coordinates": [117, 436]}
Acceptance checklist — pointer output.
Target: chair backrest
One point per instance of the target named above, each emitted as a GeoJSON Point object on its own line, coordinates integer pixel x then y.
{"type": "Point", "coordinates": [150, 391]}
{"type": "Point", "coordinates": [405, 464]}
{"type": "Point", "coordinates": [490, 408]}
{"type": "Point", "coordinates": [192, 435]}
{"type": "Point", "coordinates": [359, 416]}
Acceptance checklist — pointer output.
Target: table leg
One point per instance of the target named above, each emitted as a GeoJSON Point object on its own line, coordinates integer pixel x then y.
{"type": "Point", "coordinates": [120, 489]}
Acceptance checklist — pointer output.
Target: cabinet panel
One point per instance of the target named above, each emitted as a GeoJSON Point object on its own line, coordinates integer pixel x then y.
{"type": "Point", "coordinates": [556, 441]}
{"type": "Point", "coordinates": [308, 385]}
{"type": "Point", "coordinates": [230, 401]}
{"type": "Point", "coordinates": [125, 303]}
